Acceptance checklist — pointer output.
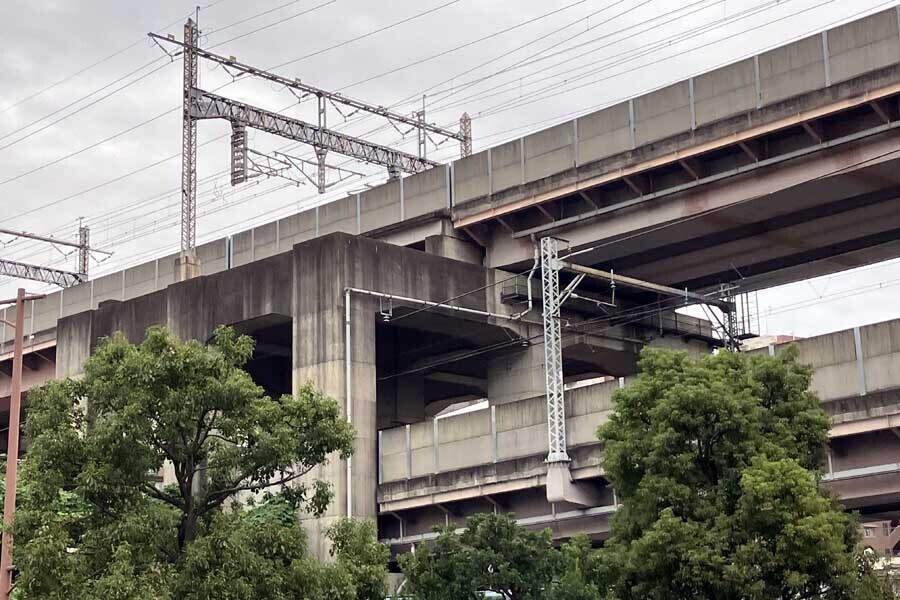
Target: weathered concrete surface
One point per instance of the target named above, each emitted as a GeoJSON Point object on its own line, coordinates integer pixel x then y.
{"type": "Point", "coordinates": [323, 269]}
{"type": "Point", "coordinates": [500, 449]}
{"type": "Point", "coordinates": [782, 81]}
{"type": "Point", "coordinates": [468, 440]}
{"type": "Point", "coordinates": [454, 248]}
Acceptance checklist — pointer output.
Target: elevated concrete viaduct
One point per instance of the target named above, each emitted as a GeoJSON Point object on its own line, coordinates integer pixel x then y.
{"type": "Point", "coordinates": [414, 296]}
{"type": "Point", "coordinates": [441, 470]}
{"type": "Point", "coordinates": [366, 321]}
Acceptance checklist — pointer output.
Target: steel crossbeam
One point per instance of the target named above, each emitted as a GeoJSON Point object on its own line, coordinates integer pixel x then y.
{"type": "Point", "coordinates": [205, 105]}
{"type": "Point", "coordinates": [11, 268]}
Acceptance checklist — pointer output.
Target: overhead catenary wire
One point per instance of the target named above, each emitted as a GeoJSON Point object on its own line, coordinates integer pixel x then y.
{"type": "Point", "coordinates": [172, 110]}
{"type": "Point", "coordinates": [84, 107]}
{"type": "Point", "coordinates": [273, 24]}
{"type": "Point", "coordinates": [557, 92]}
{"type": "Point", "coordinates": [176, 108]}
{"type": "Point", "coordinates": [135, 81]}
{"type": "Point", "coordinates": [368, 34]}
{"type": "Point", "coordinates": [468, 44]}
{"type": "Point", "coordinates": [631, 53]}
{"type": "Point", "coordinates": [101, 61]}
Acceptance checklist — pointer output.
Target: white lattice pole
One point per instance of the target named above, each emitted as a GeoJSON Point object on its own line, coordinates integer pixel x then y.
{"type": "Point", "coordinates": [553, 373]}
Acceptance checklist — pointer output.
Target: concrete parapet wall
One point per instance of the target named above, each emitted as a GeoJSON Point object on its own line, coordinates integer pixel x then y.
{"type": "Point", "coordinates": [673, 112]}
{"type": "Point", "coordinates": [662, 113]}
{"type": "Point", "coordinates": [549, 151]}
{"type": "Point", "coordinates": [863, 45]}
{"type": "Point", "coordinates": [471, 177]}
{"type": "Point", "coordinates": [506, 165]}
{"type": "Point", "coordinates": [726, 91]}
{"type": "Point", "coordinates": [604, 133]}
{"type": "Point", "coordinates": [495, 434]}
{"type": "Point", "coordinates": [852, 363]}
{"type": "Point", "coordinates": [792, 70]}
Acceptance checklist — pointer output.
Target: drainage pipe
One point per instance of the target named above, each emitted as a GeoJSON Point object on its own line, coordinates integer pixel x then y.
{"type": "Point", "coordinates": [348, 381]}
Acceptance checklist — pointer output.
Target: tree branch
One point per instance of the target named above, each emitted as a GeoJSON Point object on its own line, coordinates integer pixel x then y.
{"type": "Point", "coordinates": [220, 496]}
{"type": "Point", "coordinates": [151, 490]}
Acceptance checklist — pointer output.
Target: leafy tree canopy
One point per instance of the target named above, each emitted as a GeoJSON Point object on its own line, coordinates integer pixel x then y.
{"type": "Point", "coordinates": [95, 521]}
{"type": "Point", "coordinates": [493, 553]}
{"type": "Point", "coordinates": [715, 463]}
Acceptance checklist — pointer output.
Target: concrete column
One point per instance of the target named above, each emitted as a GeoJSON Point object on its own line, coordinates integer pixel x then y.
{"type": "Point", "coordinates": [321, 273]}
{"type": "Point", "coordinates": [401, 401]}
{"type": "Point", "coordinates": [517, 376]}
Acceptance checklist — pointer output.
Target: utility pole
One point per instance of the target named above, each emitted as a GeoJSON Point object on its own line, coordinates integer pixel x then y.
{"type": "Point", "coordinates": [12, 442]}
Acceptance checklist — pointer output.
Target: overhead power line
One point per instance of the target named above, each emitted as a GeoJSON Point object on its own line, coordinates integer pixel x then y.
{"type": "Point", "coordinates": [366, 35]}
{"type": "Point", "coordinates": [82, 108]}
{"type": "Point", "coordinates": [529, 125]}
{"type": "Point", "coordinates": [555, 91]}
{"type": "Point", "coordinates": [274, 23]}
{"type": "Point", "coordinates": [465, 45]}
{"type": "Point", "coordinates": [97, 63]}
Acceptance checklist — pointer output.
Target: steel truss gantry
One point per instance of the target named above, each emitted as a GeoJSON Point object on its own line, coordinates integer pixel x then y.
{"type": "Point", "coordinates": [553, 371]}
{"type": "Point", "coordinates": [62, 278]}
{"type": "Point", "coordinates": [206, 105]}
{"type": "Point", "coordinates": [11, 268]}
{"type": "Point", "coordinates": [199, 104]}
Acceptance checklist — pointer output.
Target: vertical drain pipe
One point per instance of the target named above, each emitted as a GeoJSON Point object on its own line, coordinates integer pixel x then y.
{"type": "Point", "coordinates": [349, 407]}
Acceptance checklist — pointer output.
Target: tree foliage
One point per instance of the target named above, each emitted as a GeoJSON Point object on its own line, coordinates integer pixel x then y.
{"type": "Point", "coordinates": [94, 520]}
{"type": "Point", "coordinates": [715, 461]}
{"type": "Point", "coordinates": [492, 554]}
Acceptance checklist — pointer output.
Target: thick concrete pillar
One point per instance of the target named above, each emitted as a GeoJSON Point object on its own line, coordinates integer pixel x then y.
{"type": "Point", "coordinates": [187, 266]}
{"type": "Point", "coordinates": [517, 376]}
{"type": "Point", "coordinates": [322, 272]}
{"type": "Point", "coordinates": [401, 401]}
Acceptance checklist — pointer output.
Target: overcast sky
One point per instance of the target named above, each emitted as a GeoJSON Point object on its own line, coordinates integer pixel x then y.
{"type": "Point", "coordinates": [104, 144]}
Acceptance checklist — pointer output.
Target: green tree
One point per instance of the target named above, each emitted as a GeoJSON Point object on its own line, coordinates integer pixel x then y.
{"type": "Point", "coordinates": [715, 463]}
{"type": "Point", "coordinates": [93, 517]}
{"type": "Point", "coordinates": [356, 549]}
{"type": "Point", "coordinates": [579, 571]}
{"type": "Point", "coordinates": [493, 553]}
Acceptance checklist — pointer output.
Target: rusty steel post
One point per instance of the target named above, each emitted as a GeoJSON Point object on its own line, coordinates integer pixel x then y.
{"type": "Point", "coordinates": [12, 449]}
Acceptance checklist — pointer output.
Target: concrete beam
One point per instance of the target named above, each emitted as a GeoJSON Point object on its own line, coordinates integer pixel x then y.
{"type": "Point", "coordinates": [479, 383]}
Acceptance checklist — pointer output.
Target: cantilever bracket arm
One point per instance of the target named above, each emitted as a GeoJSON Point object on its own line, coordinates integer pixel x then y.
{"type": "Point", "coordinates": [333, 97]}
{"type": "Point", "coordinates": [647, 286]}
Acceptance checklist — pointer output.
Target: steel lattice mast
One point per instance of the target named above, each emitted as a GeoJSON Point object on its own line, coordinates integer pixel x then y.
{"type": "Point", "coordinates": [189, 141]}
{"type": "Point", "coordinates": [553, 371]}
